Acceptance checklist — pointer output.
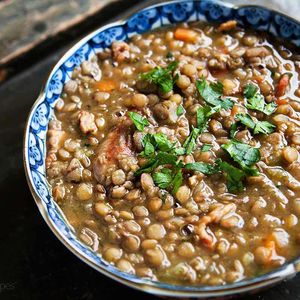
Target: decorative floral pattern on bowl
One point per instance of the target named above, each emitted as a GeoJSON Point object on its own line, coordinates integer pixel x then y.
{"type": "Point", "coordinates": [255, 17]}
{"type": "Point", "coordinates": [35, 146]}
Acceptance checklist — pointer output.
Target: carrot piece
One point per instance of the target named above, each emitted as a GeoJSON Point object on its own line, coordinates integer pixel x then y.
{"type": "Point", "coordinates": [258, 79]}
{"type": "Point", "coordinates": [105, 85]}
{"type": "Point", "coordinates": [186, 35]}
{"type": "Point", "coordinates": [269, 243]}
{"type": "Point", "coordinates": [224, 50]}
{"type": "Point", "coordinates": [282, 85]}
{"type": "Point", "coordinates": [282, 101]}
{"type": "Point", "coordinates": [226, 26]}
{"type": "Point", "coordinates": [236, 109]}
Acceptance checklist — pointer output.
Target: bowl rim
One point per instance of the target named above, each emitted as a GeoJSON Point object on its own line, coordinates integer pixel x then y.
{"type": "Point", "coordinates": [289, 269]}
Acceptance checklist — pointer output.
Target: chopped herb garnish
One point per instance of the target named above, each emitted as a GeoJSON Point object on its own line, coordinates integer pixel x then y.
{"type": "Point", "coordinates": [270, 108]}
{"type": "Point", "coordinates": [256, 101]}
{"type": "Point", "coordinates": [163, 178]}
{"type": "Point", "coordinates": [162, 158]}
{"type": "Point", "coordinates": [177, 181]}
{"type": "Point", "coordinates": [190, 142]}
{"type": "Point", "coordinates": [139, 121]}
{"type": "Point", "coordinates": [168, 179]}
{"type": "Point", "coordinates": [202, 167]}
{"type": "Point", "coordinates": [243, 154]}
{"type": "Point", "coordinates": [250, 90]}
{"type": "Point", "coordinates": [211, 93]}
{"type": "Point", "coordinates": [169, 55]}
{"type": "Point", "coordinates": [202, 117]}
{"type": "Point", "coordinates": [158, 142]}
{"type": "Point", "coordinates": [234, 176]}
{"type": "Point", "coordinates": [179, 151]}
{"type": "Point", "coordinates": [180, 110]}
{"type": "Point", "coordinates": [148, 146]}
{"type": "Point", "coordinates": [171, 177]}
{"type": "Point", "coordinates": [162, 77]}
{"type": "Point", "coordinates": [264, 127]}
{"type": "Point", "coordinates": [246, 119]}
{"type": "Point", "coordinates": [162, 142]}
{"type": "Point", "coordinates": [206, 147]}
{"type": "Point", "coordinates": [233, 130]}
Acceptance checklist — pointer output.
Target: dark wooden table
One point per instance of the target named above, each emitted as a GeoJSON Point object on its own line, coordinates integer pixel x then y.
{"type": "Point", "coordinates": [33, 263]}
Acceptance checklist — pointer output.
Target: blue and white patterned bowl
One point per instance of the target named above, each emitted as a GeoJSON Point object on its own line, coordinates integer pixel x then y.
{"type": "Point", "coordinates": [254, 17]}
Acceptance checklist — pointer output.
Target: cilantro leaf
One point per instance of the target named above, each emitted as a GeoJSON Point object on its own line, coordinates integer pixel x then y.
{"type": "Point", "coordinates": [202, 117]}
{"type": "Point", "coordinates": [233, 130]}
{"type": "Point", "coordinates": [243, 154]}
{"type": "Point", "coordinates": [162, 158]}
{"type": "Point", "coordinates": [180, 110]}
{"type": "Point", "coordinates": [177, 181]}
{"type": "Point", "coordinates": [162, 142]}
{"type": "Point", "coordinates": [227, 103]}
{"type": "Point", "coordinates": [162, 77]}
{"type": "Point", "coordinates": [246, 119]}
{"type": "Point", "coordinates": [234, 176]}
{"type": "Point", "coordinates": [169, 55]}
{"type": "Point", "coordinates": [250, 90]}
{"type": "Point", "coordinates": [264, 127]}
{"type": "Point", "coordinates": [202, 167]}
{"type": "Point", "coordinates": [148, 146]}
{"type": "Point", "coordinates": [159, 142]}
{"type": "Point", "coordinates": [139, 121]}
{"type": "Point", "coordinates": [190, 142]}
{"type": "Point", "coordinates": [211, 93]}
{"type": "Point", "coordinates": [256, 101]}
{"type": "Point", "coordinates": [217, 87]}
{"type": "Point", "coordinates": [206, 147]}
{"type": "Point", "coordinates": [163, 178]}
{"type": "Point", "coordinates": [179, 151]}
{"type": "Point", "coordinates": [168, 179]}
{"type": "Point", "coordinates": [270, 108]}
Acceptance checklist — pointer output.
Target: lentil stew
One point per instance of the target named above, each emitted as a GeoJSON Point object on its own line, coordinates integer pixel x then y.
{"type": "Point", "coordinates": [174, 155]}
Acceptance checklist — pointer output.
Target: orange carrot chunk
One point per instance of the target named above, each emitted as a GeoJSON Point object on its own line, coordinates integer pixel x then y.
{"type": "Point", "coordinates": [258, 79]}
{"type": "Point", "coordinates": [282, 85]}
{"type": "Point", "coordinates": [105, 85]}
{"type": "Point", "coordinates": [282, 101]}
{"type": "Point", "coordinates": [229, 25]}
{"type": "Point", "coordinates": [237, 109]}
{"type": "Point", "coordinates": [186, 35]}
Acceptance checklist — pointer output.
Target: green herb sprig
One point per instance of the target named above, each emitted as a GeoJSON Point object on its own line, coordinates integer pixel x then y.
{"type": "Point", "coordinates": [139, 121]}
{"type": "Point", "coordinates": [256, 101]}
{"type": "Point", "coordinates": [211, 94]}
{"type": "Point", "coordinates": [162, 77]}
{"type": "Point", "coordinates": [263, 127]}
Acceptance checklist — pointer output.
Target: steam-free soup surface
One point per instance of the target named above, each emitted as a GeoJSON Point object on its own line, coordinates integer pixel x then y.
{"type": "Point", "coordinates": [174, 155]}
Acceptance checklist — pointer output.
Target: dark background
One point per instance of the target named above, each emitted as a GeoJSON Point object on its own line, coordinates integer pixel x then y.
{"type": "Point", "coordinates": [33, 263]}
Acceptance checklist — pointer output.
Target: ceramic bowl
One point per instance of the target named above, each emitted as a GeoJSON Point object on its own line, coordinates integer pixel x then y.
{"type": "Point", "coordinates": [257, 18]}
